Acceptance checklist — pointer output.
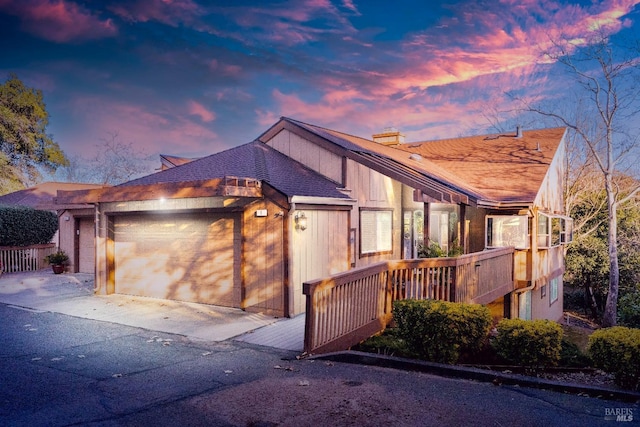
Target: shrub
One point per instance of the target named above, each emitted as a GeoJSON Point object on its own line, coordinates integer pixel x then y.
{"type": "Point", "coordinates": [388, 343]}
{"type": "Point", "coordinates": [529, 343]}
{"type": "Point", "coordinates": [441, 331]}
{"type": "Point", "coordinates": [24, 226]}
{"type": "Point", "coordinates": [617, 350]}
{"type": "Point", "coordinates": [571, 355]}
{"type": "Point", "coordinates": [629, 310]}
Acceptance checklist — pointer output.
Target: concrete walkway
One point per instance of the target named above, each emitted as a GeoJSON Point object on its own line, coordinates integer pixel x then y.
{"type": "Point", "coordinates": [72, 294]}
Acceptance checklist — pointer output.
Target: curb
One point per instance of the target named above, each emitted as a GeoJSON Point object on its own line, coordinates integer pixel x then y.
{"type": "Point", "coordinates": [462, 372]}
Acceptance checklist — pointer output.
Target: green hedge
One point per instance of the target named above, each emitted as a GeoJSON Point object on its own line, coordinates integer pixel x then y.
{"type": "Point", "coordinates": [24, 226]}
{"type": "Point", "coordinates": [441, 331]}
{"type": "Point", "coordinates": [529, 343]}
{"type": "Point", "coordinates": [617, 350]}
{"type": "Point", "coordinates": [629, 309]}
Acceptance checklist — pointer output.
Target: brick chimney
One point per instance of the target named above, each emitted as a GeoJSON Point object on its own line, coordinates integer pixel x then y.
{"type": "Point", "coordinates": [389, 136]}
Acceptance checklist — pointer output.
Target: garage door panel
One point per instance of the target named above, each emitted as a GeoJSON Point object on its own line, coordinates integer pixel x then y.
{"type": "Point", "coordinates": [184, 257]}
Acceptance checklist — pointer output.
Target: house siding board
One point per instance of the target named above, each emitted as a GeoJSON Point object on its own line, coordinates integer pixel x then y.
{"type": "Point", "coordinates": [86, 243]}
{"type": "Point", "coordinates": [374, 190]}
{"type": "Point", "coordinates": [66, 236]}
{"type": "Point", "coordinates": [80, 247]}
{"type": "Point", "coordinates": [476, 231]}
{"type": "Point", "coordinates": [550, 198]}
{"type": "Point", "coordinates": [319, 251]}
{"type": "Point", "coordinates": [185, 257]}
{"type": "Point", "coordinates": [263, 259]}
{"type": "Point", "coordinates": [309, 154]}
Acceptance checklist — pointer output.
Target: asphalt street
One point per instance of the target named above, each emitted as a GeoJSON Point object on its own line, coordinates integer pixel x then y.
{"type": "Point", "coordinates": [60, 370]}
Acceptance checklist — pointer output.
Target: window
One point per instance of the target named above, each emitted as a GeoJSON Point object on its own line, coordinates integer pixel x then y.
{"type": "Point", "coordinates": [556, 228]}
{"type": "Point", "coordinates": [507, 230]}
{"type": "Point", "coordinates": [566, 231]}
{"type": "Point", "coordinates": [376, 228]}
{"type": "Point", "coordinates": [444, 227]}
{"type": "Point", "coordinates": [544, 230]}
{"type": "Point", "coordinates": [553, 290]}
{"type": "Point", "coordinates": [524, 305]}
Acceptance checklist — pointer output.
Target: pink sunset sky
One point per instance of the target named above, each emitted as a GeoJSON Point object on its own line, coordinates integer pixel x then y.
{"type": "Point", "coordinates": [190, 78]}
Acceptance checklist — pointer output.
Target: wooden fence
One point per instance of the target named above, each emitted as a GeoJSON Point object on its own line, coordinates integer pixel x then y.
{"type": "Point", "coordinates": [14, 259]}
{"type": "Point", "coordinates": [346, 308]}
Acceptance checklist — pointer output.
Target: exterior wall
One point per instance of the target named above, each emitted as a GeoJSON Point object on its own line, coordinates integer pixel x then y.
{"type": "Point", "coordinates": [320, 250]}
{"type": "Point", "coordinates": [66, 236]}
{"type": "Point", "coordinates": [70, 223]}
{"type": "Point", "coordinates": [375, 191]}
{"type": "Point", "coordinates": [475, 228]}
{"type": "Point", "coordinates": [86, 250]}
{"type": "Point", "coordinates": [550, 197]}
{"type": "Point", "coordinates": [309, 154]}
{"type": "Point", "coordinates": [547, 264]}
{"type": "Point", "coordinates": [264, 271]}
{"type": "Point", "coordinates": [542, 307]}
{"type": "Point", "coordinates": [370, 189]}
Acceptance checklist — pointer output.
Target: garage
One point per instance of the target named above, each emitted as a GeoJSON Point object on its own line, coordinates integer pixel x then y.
{"type": "Point", "coordinates": [191, 257]}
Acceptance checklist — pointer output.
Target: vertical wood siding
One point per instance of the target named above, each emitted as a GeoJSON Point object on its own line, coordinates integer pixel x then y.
{"type": "Point", "coordinates": [264, 259]}
{"type": "Point", "coordinates": [319, 251]}
{"type": "Point", "coordinates": [309, 154]}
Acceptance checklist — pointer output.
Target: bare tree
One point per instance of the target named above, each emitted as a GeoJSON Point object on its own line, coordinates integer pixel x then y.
{"type": "Point", "coordinates": [608, 76]}
{"type": "Point", "coordinates": [112, 163]}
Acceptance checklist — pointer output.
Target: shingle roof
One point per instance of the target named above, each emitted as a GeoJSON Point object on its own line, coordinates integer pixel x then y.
{"type": "Point", "coordinates": [390, 157]}
{"type": "Point", "coordinates": [492, 168]}
{"type": "Point", "coordinates": [252, 160]}
{"type": "Point", "coordinates": [503, 168]}
{"type": "Point", "coordinates": [41, 196]}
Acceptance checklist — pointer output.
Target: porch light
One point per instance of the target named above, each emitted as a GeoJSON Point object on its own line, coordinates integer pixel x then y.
{"type": "Point", "coordinates": [301, 221]}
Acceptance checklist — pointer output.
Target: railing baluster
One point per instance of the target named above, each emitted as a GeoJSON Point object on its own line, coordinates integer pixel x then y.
{"type": "Point", "coordinates": [348, 307]}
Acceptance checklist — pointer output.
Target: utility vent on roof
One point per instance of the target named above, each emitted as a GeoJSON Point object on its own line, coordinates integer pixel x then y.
{"type": "Point", "coordinates": [415, 156]}
{"type": "Point", "coordinates": [389, 136]}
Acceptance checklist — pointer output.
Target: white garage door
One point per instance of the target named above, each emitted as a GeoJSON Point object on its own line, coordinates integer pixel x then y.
{"type": "Point", "coordinates": [186, 257]}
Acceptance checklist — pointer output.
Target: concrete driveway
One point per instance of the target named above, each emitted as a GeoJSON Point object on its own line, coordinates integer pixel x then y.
{"type": "Point", "coordinates": [72, 294]}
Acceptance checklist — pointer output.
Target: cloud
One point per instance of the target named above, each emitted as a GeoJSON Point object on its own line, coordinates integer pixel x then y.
{"type": "Point", "coordinates": [60, 21]}
{"type": "Point", "coordinates": [199, 110]}
{"type": "Point", "coordinates": [471, 42]}
{"type": "Point", "coordinates": [169, 12]}
{"type": "Point", "coordinates": [290, 23]}
{"type": "Point", "coordinates": [157, 131]}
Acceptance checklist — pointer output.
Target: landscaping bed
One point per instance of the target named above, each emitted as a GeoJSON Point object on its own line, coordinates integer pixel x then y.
{"type": "Point", "coordinates": [574, 366]}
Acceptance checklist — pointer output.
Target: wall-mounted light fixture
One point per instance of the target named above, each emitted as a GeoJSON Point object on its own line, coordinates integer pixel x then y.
{"type": "Point", "coordinates": [301, 221]}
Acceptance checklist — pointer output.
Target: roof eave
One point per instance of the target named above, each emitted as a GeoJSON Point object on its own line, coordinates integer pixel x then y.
{"type": "Point", "coordinates": [316, 200]}
{"type": "Point", "coordinates": [496, 204]}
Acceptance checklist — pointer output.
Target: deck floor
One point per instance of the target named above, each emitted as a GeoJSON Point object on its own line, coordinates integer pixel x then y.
{"type": "Point", "coordinates": [287, 334]}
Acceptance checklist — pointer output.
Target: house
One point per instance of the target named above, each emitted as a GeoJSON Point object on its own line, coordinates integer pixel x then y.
{"type": "Point", "coordinates": [76, 229]}
{"type": "Point", "coordinates": [246, 227]}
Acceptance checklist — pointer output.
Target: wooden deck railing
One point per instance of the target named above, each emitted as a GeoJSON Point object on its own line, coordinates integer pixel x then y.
{"type": "Point", "coordinates": [24, 258]}
{"type": "Point", "coordinates": [348, 307]}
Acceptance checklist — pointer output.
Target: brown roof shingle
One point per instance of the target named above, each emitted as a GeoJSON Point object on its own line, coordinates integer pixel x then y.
{"type": "Point", "coordinates": [503, 168]}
